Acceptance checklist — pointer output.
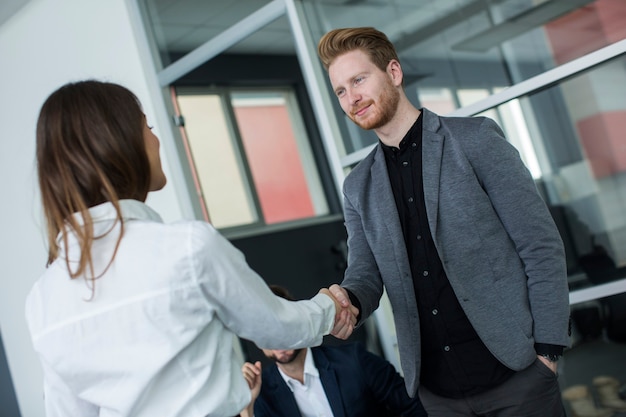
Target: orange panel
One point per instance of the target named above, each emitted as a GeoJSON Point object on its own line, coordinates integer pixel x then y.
{"type": "Point", "coordinates": [275, 163]}
{"type": "Point", "coordinates": [602, 138]}
{"type": "Point", "coordinates": [587, 29]}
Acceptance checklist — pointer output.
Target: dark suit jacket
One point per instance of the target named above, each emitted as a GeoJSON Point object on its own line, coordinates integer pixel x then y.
{"type": "Point", "coordinates": [357, 384]}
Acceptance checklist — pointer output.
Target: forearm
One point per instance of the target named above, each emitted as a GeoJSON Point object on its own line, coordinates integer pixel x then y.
{"type": "Point", "coordinates": [245, 304]}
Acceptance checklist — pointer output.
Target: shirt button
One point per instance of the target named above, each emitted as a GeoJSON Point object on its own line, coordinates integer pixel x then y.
{"type": "Point", "coordinates": [446, 348]}
{"type": "Point", "coordinates": [405, 164]}
{"type": "Point", "coordinates": [425, 273]}
{"type": "Point", "coordinates": [410, 199]}
{"type": "Point", "coordinates": [414, 145]}
{"type": "Point", "coordinates": [419, 237]}
{"type": "Point", "coordinates": [435, 311]}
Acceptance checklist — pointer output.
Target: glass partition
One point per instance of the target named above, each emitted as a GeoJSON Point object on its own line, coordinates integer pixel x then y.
{"type": "Point", "coordinates": [571, 137]}
{"type": "Point", "coordinates": [452, 47]}
{"type": "Point", "coordinates": [252, 156]}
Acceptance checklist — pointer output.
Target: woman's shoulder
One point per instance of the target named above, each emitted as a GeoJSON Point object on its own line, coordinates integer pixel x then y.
{"type": "Point", "coordinates": [199, 234]}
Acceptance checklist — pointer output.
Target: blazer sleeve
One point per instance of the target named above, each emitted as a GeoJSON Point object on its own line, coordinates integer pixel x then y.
{"type": "Point", "coordinates": [526, 218]}
{"type": "Point", "coordinates": [362, 277]}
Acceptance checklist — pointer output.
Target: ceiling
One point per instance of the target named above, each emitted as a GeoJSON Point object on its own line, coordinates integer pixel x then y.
{"type": "Point", "coordinates": [182, 25]}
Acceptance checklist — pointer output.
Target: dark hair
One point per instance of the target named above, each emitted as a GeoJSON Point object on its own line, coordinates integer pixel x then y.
{"type": "Point", "coordinates": [282, 292]}
{"type": "Point", "coordinates": [367, 39]}
{"type": "Point", "coordinates": [90, 150]}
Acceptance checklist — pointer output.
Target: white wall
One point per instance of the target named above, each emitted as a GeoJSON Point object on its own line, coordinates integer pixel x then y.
{"type": "Point", "coordinates": [46, 44]}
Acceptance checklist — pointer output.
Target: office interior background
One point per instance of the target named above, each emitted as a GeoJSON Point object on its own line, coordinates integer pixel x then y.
{"type": "Point", "coordinates": [254, 141]}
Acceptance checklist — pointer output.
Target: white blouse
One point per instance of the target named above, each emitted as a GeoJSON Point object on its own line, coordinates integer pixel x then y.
{"type": "Point", "coordinates": [155, 338]}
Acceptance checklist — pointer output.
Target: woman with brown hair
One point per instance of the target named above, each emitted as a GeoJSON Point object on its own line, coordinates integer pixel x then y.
{"type": "Point", "coordinates": [134, 317]}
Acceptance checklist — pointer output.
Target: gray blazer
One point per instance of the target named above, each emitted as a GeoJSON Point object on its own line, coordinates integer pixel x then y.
{"type": "Point", "coordinates": [497, 241]}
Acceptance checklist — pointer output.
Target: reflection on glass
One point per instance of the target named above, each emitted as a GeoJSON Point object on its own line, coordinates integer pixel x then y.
{"type": "Point", "coordinates": [571, 137]}
{"type": "Point", "coordinates": [256, 167]}
{"type": "Point", "coordinates": [461, 46]}
{"type": "Point", "coordinates": [216, 160]}
{"type": "Point", "coordinates": [439, 100]}
{"type": "Point", "coordinates": [278, 155]}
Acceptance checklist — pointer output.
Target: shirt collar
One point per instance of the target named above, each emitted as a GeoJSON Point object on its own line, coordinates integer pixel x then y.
{"type": "Point", "coordinates": [103, 214]}
{"type": "Point", "coordinates": [413, 135]}
{"type": "Point", "coordinates": [309, 370]}
{"type": "Point", "coordinates": [131, 210]}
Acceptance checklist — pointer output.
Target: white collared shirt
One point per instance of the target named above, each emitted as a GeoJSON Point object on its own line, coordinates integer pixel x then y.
{"type": "Point", "coordinates": [157, 337]}
{"type": "Point", "coordinates": [310, 396]}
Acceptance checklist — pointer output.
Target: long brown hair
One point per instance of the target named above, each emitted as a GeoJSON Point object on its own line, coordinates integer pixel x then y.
{"type": "Point", "coordinates": [367, 39]}
{"type": "Point", "coordinates": [90, 150]}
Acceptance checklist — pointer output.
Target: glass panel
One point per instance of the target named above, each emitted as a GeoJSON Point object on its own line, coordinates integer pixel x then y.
{"type": "Point", "coordinates": [216, 160]}
{"type": "Point", "coordinates": [279, 156]}
{"type": "Point", "coordinates": [453, 47]}
{"type": "Point", "coordinates": [256, 166]}
{"type": "Point", "coordinates": [439, 100]}
{"type": "Point", "coordinates": [571, 137]}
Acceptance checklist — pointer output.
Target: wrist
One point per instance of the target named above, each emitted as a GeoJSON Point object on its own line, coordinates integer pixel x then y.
{"type": "Point", "coordinates": [550, 357]}
{"type": "Point", "coordinates": [551, 353]}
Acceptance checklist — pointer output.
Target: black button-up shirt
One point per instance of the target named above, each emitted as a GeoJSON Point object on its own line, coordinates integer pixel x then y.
{"type": "Point", "coordinates": [454, 361]}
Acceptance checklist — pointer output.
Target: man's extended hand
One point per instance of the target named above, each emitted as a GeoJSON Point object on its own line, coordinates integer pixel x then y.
{"type": "Point", "coordinates": [345, 312]}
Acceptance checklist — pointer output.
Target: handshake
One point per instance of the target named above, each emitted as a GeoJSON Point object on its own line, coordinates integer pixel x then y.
{"type": "Point", "coordinates": [345, 313]}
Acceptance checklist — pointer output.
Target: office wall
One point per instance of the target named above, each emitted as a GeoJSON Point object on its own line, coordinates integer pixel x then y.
{"type": "Point", "coordinates": [44, 45]}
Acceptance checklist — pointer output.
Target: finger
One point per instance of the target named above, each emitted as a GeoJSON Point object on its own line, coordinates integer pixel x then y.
{"type": "Point", "coordinates": [255, 368]}
{"type": "Point", "coordinates": [340, 295]}
{"type": "Point", "coordinates": [343, 332]}
{"type": "Point", "coordinates": [250, 380]}
{"type": "Point", "coordinates": [343, 328]}
{"type": "Point", "coordinates": [247, 366]}
{"type": "Point", "coordinates": [349, 322]}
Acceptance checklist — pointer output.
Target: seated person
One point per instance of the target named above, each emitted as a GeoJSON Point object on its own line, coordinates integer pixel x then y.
{"type": "Point", "coordinates": [341, 380]}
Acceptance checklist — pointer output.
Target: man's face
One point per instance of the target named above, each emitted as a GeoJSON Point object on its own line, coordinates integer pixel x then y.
{"type": "Point", "coordinates": [282, 356]}
{"type": "Point", "coordinates": [365, 92]}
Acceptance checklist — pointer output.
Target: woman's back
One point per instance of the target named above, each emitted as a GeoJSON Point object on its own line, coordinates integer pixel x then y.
{"type": "Point", "coordinates": [152, 339]}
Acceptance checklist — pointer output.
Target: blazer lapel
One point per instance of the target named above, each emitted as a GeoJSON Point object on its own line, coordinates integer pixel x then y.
{"type": "Point", "coordinates": [329, 382]}
{"type": "Point", "coordinates": [432, 152]}
{"type": "Point", "coordinates": [384, 206]}
{"type": "Point", "coordinates": [280, 393]}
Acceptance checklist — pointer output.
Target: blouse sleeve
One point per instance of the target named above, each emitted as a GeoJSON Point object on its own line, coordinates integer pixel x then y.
{"type": "Point", "coordinates": [244, 302]}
